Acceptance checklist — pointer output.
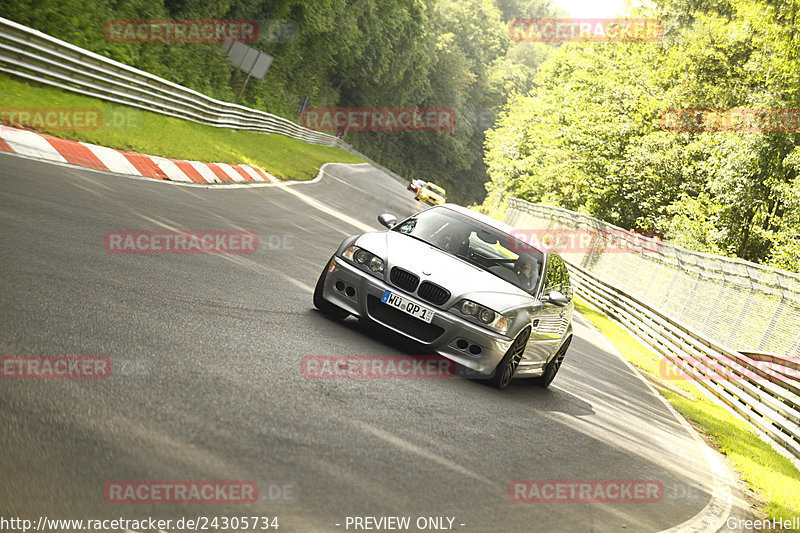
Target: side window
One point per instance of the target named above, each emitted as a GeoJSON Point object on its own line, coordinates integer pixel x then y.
{"type": "Point", "coordinates": [557, 278]}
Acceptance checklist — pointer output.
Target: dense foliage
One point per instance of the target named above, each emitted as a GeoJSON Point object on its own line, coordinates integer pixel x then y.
{"type": "Point", "coordinates": [579, 123]}
{"type": "Point", "coordinates": [589, 136]}
{"type": "Point", "coordinates": [348, 53]}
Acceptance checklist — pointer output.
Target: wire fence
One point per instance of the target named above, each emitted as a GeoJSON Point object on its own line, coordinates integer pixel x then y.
{"type": "Point", "coordinates": [741, 305]}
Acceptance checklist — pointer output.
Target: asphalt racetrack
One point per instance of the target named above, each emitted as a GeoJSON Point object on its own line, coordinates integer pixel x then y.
{"type": "Point", "coordinates": [206, 380]}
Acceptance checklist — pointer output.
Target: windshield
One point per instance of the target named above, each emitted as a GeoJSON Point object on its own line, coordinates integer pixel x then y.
{"type": "Point", "coordinates": [435, 188]}
{"type": "Point", "coordinates": [480, 244]}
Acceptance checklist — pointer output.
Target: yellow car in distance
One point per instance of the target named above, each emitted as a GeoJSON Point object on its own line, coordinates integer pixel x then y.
{"type": "Point", "coordinates": [431, 194]}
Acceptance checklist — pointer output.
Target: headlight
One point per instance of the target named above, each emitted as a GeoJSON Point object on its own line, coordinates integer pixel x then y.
{"type": "Point", "coordinates": [364, 258]}
{"type": "Point", "coordinates": [484, 315]}
{"type": "Point", "coordinates": [375, 264]}
{"type": "Point", "coordinates": [468, 307]}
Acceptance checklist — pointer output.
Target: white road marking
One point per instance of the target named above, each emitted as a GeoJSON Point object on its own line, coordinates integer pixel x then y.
{"type": "Point", "coordinates": [713, 516]}
{"type": "Point", "coordinates": [327, 210]}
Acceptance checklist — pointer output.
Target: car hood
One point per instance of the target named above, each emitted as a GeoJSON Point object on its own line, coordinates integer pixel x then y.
{"type": "Point", "coordinates": [461, 278]}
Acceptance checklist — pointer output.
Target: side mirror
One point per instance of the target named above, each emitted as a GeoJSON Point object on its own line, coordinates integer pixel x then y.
{"type": "Point", "coordinates": [555, 298]}
{"type": "Point", "coordinates": [387, 220]}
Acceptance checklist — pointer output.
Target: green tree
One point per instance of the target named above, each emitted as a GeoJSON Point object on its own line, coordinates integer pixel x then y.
{"type": "Point", "coordinates": [588, 137]}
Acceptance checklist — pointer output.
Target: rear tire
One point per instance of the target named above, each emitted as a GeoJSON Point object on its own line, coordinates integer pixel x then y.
{"type": "Point", "coordinates": [333, 311]}
{"type": "Point", "coordinates": [551, 368]}
{"type": "Point", "coordinates": [508, 364]}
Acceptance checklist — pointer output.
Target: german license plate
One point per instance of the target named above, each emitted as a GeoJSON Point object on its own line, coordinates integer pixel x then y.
{"type": "Point", "coordinates": [407, 306]}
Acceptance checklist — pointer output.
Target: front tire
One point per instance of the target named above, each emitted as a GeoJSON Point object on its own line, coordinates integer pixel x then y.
{"type": "Point", "coordinates": [551, 368]}
{"type": "Point", "coordinates": [333, 311]}
{"type": "Point", "coordinates": [508, 365]}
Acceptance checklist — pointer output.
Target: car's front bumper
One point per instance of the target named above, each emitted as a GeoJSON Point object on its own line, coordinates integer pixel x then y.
{"type": "Point", "coordinates": [360, 293]}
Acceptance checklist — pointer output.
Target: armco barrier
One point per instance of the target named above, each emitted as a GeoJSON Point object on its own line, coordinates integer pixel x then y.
{"type": "Point", "coordinates": [767, 395]}
{"type": "Point", "coordinates": [36, 56]}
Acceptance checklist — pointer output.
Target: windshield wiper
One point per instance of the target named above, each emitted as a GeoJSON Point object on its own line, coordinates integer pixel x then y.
{"type": "Point", "coordinates": [471, 261]}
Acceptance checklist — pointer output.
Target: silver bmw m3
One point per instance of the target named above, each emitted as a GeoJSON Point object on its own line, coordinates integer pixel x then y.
{"type": "Point", "coordinates": [461, 284]}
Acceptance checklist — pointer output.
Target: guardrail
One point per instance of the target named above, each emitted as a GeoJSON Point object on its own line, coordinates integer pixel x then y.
{"type": "Point", "coordinates": [762, 389]}
{"type": "Point", "coordinates": [36, 56]}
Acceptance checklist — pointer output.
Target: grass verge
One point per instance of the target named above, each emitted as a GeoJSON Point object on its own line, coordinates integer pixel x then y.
{"type": "Point", "coordinates": [127, 128]}
{"type": "Point", "coordinates": [771, 476]}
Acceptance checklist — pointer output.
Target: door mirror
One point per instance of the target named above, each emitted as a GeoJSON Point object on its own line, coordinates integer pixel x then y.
{"type": "Point", "coordinates": [387, 220]}
{"type": "Point", "coordinates": [555, 298]}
